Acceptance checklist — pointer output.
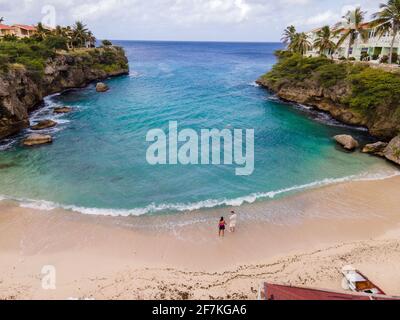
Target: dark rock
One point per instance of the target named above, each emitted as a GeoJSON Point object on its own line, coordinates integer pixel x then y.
{"type": "Point", "coordinates": [45, 124]}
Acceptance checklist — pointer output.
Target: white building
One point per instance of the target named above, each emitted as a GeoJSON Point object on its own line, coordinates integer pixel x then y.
{"type": "Point", "coordinates": [374, 48]}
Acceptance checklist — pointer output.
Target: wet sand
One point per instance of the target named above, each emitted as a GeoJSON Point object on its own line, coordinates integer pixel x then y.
{"type": "Point", "coordinates": [303, 239]}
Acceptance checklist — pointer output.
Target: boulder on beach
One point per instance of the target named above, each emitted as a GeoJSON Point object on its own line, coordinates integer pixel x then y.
{"type": "Point", "coordinates": [392, 151]}
{"type": "Point", "coordinates": [101, 87]}
{"type": "Point", "coordinates": [376, 148]}
{"type": "Point", "coordinates": [346, 141]}
{"type": "Point", "coordinates": [44, 124]}
{"type": "Point", "coordinates": [62, 110]}
{"type": "Point", "coordinates": [37, 139]}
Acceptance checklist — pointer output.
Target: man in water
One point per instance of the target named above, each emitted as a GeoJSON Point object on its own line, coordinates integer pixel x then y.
{"type": "Point", "coordinates": [232, 221]}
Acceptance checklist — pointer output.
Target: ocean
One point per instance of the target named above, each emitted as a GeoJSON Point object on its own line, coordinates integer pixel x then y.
{"type": "Point", "coordinates": [97, 162]}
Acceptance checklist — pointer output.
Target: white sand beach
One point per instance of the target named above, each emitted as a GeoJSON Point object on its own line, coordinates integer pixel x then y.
{"type": "Point", "coordinates": [303, 239]}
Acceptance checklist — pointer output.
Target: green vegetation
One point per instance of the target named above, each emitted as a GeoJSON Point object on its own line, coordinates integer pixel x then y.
{"type": "Point", "coordinates": [367, 88]}
{"type": "Point", "coordinates": [33, 53]}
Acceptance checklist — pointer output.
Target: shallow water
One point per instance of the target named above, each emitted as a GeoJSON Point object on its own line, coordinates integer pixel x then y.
{"type": "Point", "coordinates": [97, 163]}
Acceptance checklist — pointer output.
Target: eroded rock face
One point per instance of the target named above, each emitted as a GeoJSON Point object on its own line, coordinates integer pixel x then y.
{"type": "Point", "coordinates": [383, 124]}
{"type": "Point", "coordinates": [347, 141]}
{"type": "Point", "coordinates": [45, 124]}
{"type": "Point", "coordinates": [376, 148]}
{"type": "Point", "coordinates": [392, 151]}
{"type": "Point", "coordinates": [37, 139]}
{"type": "Point", "coordinates": [62, 110]}
{"type": "Point", "coordinates": [20, 91]}
{"type": "Point", "coordinates": [102, 87]}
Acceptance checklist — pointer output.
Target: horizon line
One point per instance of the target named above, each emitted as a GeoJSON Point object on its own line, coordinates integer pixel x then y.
{"type": "Point", "coordinates": [196, 41]}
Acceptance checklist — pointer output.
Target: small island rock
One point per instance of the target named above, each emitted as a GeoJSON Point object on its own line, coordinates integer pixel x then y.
{"type": "Point", "coordinates": [37, 139]}
{"type": "Point", "coordinates": [62, 110]}
{"type": "Point", "coordinates": [347, 141]}
{"type": "Point", "coordinates": [101, 87]}
{"type": "Point", "coordinates": [44, 124]}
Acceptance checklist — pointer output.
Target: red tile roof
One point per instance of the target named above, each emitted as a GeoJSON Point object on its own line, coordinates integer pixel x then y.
{"type": "Point", "coordinates": [5, 27]}
{"type": "Point", "coordinates": [25, 27]}
{"type": "Point", "coordinates": [282, 292]}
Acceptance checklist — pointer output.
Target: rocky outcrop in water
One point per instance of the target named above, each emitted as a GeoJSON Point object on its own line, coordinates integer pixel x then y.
{"type": "Point", "coordinates": [44, 124]}
{"type": "Point", "coordinates": [37, 139]}
{"type": "Point", "coordinates": [59, 110]}
{"type": "Point", "coordinates": [102, 87]}
{"type": "Point", "coordinates": [347, 141]}
{"type": "Point", "coordinates": [22, 91]}
{"type": "Point", "coordinates": [376, 148]}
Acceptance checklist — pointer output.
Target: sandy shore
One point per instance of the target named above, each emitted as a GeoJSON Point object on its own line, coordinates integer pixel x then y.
{"type": "Point", "coordinates": [304, 239]}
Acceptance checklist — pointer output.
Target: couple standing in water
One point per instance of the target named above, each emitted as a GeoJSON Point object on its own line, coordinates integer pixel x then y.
{"type": "Point", "coordinates": [232, 224]}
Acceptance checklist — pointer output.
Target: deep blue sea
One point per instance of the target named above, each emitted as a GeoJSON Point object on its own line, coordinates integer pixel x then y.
{"type": "Point", "coordinates": [97, 163]}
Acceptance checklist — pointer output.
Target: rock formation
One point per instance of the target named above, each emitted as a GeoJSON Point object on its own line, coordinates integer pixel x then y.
{"type": "Point", "coordinates": [22, 91]}
{"type": "Point", "coordinates": [101, 87]}
{"type": "Point", "coordinates": [37, 139]}
{"type": "Point", "coordinates": [347, 141]}
{"type": "Point", "coordinates": [44, 124]}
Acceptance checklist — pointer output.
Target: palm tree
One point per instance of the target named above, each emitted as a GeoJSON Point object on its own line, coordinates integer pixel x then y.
{"type": "Point", "coordinates": [80, 33]}
{"type": "Point", "coordinates": [351, 27]}
{"type": "Point", "coordinates": [324, 41]}
{"type": "Point", "coordinates": [288, 35]}
{"type": "Point", "coordinates": [388, 20]}
{"type": "Point", "coordinates": [91, 39]}
{"type": "Point", "coordinates": [41, 31]}
{"type": "Point", "coordinates": [300, 43]}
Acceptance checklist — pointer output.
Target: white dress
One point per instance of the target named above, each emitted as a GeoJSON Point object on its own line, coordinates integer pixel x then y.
{"type": "Point", "coordinates": [233, 219]}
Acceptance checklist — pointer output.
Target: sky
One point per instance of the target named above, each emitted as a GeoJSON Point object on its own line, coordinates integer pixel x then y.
{"type": "Point", "coordinates": [183, 20]}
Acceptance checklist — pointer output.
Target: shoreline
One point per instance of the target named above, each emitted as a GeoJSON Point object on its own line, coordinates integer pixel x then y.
{"type": "Point", "coordinates": [302, 239]}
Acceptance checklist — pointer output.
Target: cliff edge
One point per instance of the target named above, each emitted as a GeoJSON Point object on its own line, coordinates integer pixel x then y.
{"type": "Point", "coordinates": [22, 89]}
{"type": "Point", "coordinates": [352, 93]}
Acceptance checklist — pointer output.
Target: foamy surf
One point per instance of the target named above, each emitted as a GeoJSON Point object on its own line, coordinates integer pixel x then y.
{"type": "Point", "coordinates": [206, 204]}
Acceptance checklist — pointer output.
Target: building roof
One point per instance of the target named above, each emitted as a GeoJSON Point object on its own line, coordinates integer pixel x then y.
{"type": "Point", "coordinates": [282, 292]}
{"type": "Point", "coordinates": [25, 27]}
{"type": "Point", "coordinates": [5, 27]}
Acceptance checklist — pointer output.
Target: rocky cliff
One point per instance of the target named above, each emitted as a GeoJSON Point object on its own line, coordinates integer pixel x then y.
{"type": "Point", "coordinates": [355, 95]}
{"type": "Point", "coordinates": [22, 90]}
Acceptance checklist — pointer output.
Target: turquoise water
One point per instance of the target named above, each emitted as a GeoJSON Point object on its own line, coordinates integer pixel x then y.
{"type": "Point", "coordinates": [97, 163]}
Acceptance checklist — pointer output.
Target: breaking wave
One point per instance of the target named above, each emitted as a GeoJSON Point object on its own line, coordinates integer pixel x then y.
{"type": "Point", "coordinates": [206, 204]}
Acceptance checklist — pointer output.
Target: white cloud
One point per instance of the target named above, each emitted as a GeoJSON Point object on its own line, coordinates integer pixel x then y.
{"type": "Point", "coordinates": [185, 19]}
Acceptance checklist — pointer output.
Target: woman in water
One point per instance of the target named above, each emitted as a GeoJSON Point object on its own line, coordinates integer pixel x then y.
{"type": "Point", "coordinates": [221, 227]}
{"type": "Point", "coordinates": [232, 219]}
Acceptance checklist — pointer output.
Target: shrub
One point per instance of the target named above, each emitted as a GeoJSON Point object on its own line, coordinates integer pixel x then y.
{"type": "Point", "coordinates": [395, 57]}
{"type": "Point", "coordinates": [330, 74]}
{"type": "Point", "coordinates": [106, 43]}
{"type": "Point", "coordinates": [352, 59]}
{"type": "Point", "coordinates": [342, 58]}
{"type": "Point", "coordinates": [55, 42]}
{"type": "Point", "coordinates": [375, 57]}
{"type": "Point", "coordinates": [372, 88]}
{"type": "Point", "coordinates": [384, 59]}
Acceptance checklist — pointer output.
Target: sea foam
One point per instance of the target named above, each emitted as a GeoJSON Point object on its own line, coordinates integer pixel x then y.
{"type": "Point", "coordinates": [206, 204]}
